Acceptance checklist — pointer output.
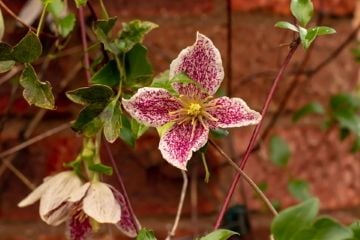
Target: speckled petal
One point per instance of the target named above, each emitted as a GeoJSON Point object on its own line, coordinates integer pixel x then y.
{"type": "Point", "coordinates": [59, 189]}
{"type": "Point", "coordinates": [202, 63]}
{"type": "Point", "coordinates": [78, 227]}
{"type": "Point", "coordinates": [233, 112]}
{"type": "Point", "coordinates": [101, 205]}
{"type": "Point", "coordinates": [58, 215]}
{"type": "Point", "coordinates": [151, 106]}
{"type": "Point", "coordinates": [178, 143]}
{"type": "Point", "coordinates": [127, 223]}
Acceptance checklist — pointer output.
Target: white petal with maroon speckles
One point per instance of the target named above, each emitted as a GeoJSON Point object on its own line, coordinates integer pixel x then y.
{"type": "Point", "coordinates": [151, 106]}
{"type": "Point", "coordinates": [78, 227]}
{"type": "Point", "coordinates": [202, 63]}
{"type": "Point", "coordinates": [233, 112]}
{"type": "Point", "coordinates": [180, 141]}
{"type": "Point", "coordinates": [100, 204]}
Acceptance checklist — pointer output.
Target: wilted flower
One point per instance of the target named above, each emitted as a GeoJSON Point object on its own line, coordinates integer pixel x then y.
{"type": "Point", "coordinates": [64, 197]}
{"type": "Point", "coordinates": [53, 194]}
{"type": "Point", "coordinates": [194, 111]}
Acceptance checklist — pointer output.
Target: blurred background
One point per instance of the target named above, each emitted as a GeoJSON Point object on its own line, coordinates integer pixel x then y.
{"type": "Point", "coordinates": [317, 157]}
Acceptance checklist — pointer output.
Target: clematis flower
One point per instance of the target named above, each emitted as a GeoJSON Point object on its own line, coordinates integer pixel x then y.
{"type": "Point", "coordinates": [98, 202]}
{"type": "Point", "coordinates": [53, 194]}
{"type": "Point", "coordinates": [193, 111]}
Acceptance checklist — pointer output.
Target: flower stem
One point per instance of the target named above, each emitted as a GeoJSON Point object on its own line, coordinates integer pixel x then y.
{"type": "Point", "coordinates": [103, 9]}
{"type": "Point", "coordinates": [122, 186]}
{"type": "Point", "coordinates": [41, 21]}
{"type": "Point", "coordinates": [180, 206]}
{"type": "Point", "coordinates": [84, 44]}
{"type": "Point", "coordinates": [255, 133]}
{"type": "Point", "coordinates": [246, 177]}
{"type": "Point", "coordinates": [207, 173]}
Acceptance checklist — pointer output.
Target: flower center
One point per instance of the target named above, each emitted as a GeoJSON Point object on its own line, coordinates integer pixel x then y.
{"type": "Point", "coordinates": [194, 109]}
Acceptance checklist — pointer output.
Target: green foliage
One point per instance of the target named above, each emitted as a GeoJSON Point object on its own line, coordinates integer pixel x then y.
{"type": "Point", "coordinates": [80, 3]}
{"type": "Point", "coordinates": [28, 49]}
{"type": "Point", "coordinates": [220, 234]}
{"type": "Point", "coordinates": [101, 168]}
{"type": "Point", "coordinates": [219, 133]}
{"type": "Point", "coordinates": [106, 25]}
{"type": "Point", "coordinates": [36, 92]}
{"type": "Point", "coordinates": [145, 234]}
{"type": "Point", "coordinates": [310, 108]}
{"type": "Point", "coordinates": [131, 130]}
{"type": "Point", "coordinates": [5, 52]}
{"type": "Point", "coordinates": [6, 65]}
{"type": "Point", "coordinates": [137, 66]}
{"type": "Point", "coordinates": [102, 28]}
{"type": "Point", "coordinates": [88, 122]}
{"type": "Point", "coordinates": [132, 33]}
{"type": "Point", "coordinates": [108, 75]}
{"type": "Point", "coordinates": [355, 228]}
{"type": "Point", "coordinates": [279, 151]}
{"type": "Point", "coordinates": [299, 189]}
{"type": "Point", "coordinates": [66, 24]}
{"type": "Point", "coordinates": [302, 10]}
{"type": "Point", "coordinates": [286, 25]}
{"type": "Point", "coordinates": [99, 94]}
{"type": "Point", "coordinates": [290, 221]}
{"type": "Point", "coordinates": [111, 117]}
{"type": "Point", "coordinates": [307, 36]}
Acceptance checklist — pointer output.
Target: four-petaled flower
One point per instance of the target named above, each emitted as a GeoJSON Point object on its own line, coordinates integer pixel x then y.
{"type": "Point", "coordinates": [193, 111]}
{"type": "Point", "coordinates": [64, 197]}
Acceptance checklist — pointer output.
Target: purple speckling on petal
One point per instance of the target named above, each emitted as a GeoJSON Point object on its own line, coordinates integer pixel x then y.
{"type": "Point", "coordinates": [202, 63]}
{"type": "Point", "coordinates": [79, 227]}
{"type": "Point", "coordinates": [177, 146]}
{"type": "Point", "coordinates": [233, 112]}
{"type": "Point", "coordinates": [151, 106]}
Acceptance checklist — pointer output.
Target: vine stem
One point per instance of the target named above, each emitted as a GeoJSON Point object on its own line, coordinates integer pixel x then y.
{"type": "Point", "coordinates": [246, 177]}
{"type": "Point", "coordinates": [84, 43]}
{"type": "Point", "coordinates": [180, 206]}
{"type": "Point", "coordinates": [122, 186]}
{"type": "Point", "coordinates": [294, 45]}
{"type": "Point", "coordinates": [41, 21]}
{"type": "Point", "coordinates": [34, 140]}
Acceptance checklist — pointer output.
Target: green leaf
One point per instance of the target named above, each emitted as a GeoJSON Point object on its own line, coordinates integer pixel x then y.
{"type": "Point", "coordinates": [286, 25]}
{"type": "Point", "coordinates": [88, 121]}
{"type": "Point", "coordinates": [80, 3]}
{"type": "Point", "coordinates": [106, 25]}
{"type": "Point", "coordinates": [90, 95]}
{"type": "Point", "coordinates": [279, 151]}
{"type": "Point", "coordinates": [355, 227]}
{"type": "Point", "coordinates": [344, 100]}
{"type": "Point", "coordinates": [2, 26]}
{"type": "Point", "coordinates": [137, 128]}
{"type": "Point", "coordinates": [66, 24]}
{"type": "Point", "coordinates": [162, 81]}
{"type": "Point", "coordinates": [108, 75]}
{"type": "Point", "coordinates": [307, 36]}
{"type": "Point", "coordinates": [313, 107]}
{"type": "Point", "coordinates": [299, 189]}
{"type": "Point", "coordinates": [219, 132]}
{"type": "Point", "coordinates": [324, 229]}
{"type": "Point", "coordinates": [302, 10]}
{"type": "Point", "coordinates": [101, 168]}
{"type": "Point", "coordinates": [5, 52]}
{"type": "Point", "coordinates": [36, 92]}
{"type": "Point", "coordinates": [132, 33]}
{"type": "Point", "coordinates": [126, 133]}
{"type": "Point", "coordinates": [138, 67]}
{"type": "Point", "coordinates": [348, 119]}
{"type": "Point", "coordinates": [164, 128]}
{"type": "Point", "coordinates": [6, 65]}
{"type": "Point", "coordinates": [56, 8]}
{"type": "Point", "coordinates": [28, 49]}
{"type": "Point", "coordinates": [145, 234]}
{"type": "Point", "coordinates": [323, 30]}
{"type": "Point", "coordinates": [220, 234]}
{"type": "Point", "coordinates": [111, 116]}
{"type": "Point", "coordinates": [294, 219]}
{"type": "Point", "coordinates": [99, 29]}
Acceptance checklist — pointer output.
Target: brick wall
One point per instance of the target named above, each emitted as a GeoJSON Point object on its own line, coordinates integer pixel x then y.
{"type": "Point", "coordinates": [152, 184]}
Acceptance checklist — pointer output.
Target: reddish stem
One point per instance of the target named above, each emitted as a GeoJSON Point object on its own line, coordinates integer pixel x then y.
{"type": "Point", "coordinates": [122, 186]}
{"type": "Point", "coordinates": [84, 43]}
{"type": "Point", "coordinates": [255, 133]}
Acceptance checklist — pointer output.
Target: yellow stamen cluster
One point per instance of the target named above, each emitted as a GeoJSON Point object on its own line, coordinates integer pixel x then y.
{"type": "Point", "coordinates": [194, 110]}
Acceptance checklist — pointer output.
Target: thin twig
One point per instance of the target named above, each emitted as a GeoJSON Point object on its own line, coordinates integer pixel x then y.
{"type": "Point", "coordinates": [34, 140]}
{"type": "Point", "coordinates": [84, 43]}
{"type": "Point", "coordinates": [14, 70]}
{"type": "Point", "coordinates": [21, 176]}
{"type": "Point", "coordinates": [11, 13]}
{"type": "Point", "coordinates": [255, 133]}
{"type": "Point", "coordinates": [229, 47]}
{"type": "Point", "coordinates": [122, 186]}
{"type": "Point", "coordinates": [180, 206]}
{"type": "Point", "coordinates": [246, 177]}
